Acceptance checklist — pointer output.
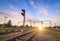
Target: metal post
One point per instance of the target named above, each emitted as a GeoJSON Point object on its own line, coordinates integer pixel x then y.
{"type": "Point", "coordinates": [24, 20]}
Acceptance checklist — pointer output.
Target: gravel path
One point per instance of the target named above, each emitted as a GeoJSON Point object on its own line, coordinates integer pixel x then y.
{"type": "Point", "coordinates": [43, 37]}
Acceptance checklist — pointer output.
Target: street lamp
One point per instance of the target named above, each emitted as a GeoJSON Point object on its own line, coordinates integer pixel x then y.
{"type": "Point", "coordinates": [4, 21]}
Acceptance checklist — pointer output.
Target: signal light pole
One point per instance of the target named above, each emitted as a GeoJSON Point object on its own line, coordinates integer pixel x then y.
{"type": "Point", "coordinates": [23, 14]}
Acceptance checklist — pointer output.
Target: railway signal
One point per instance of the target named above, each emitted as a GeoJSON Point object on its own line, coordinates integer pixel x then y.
{"type": "Point", "coordinates": [23, 14]}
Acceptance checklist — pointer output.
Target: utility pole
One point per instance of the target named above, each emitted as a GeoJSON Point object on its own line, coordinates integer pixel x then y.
{"type": "Point", "coordinates": [50, 23]}
{"type": "Point", "coordinates": [23, 14]}
{"type": "Point", "coordinates": [30, 22]}
{"type": "Point", "coordinates": [42, 23]}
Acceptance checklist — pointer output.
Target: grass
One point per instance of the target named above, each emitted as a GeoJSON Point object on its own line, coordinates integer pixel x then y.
{"type": "Point", "coordinates": [2, 38]}
{"type": "Point", "coordinates": [49, 31]}
{"type": "Point", "coordinates": [8, 35]}
{"type": "Point", "coordinates": [2, 30]}
{"type": "Point", "coordinates": [56, 34]}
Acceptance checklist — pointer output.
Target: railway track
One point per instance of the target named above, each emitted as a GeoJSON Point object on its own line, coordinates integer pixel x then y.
{"type": "Point", "coordinates": [23, 37]}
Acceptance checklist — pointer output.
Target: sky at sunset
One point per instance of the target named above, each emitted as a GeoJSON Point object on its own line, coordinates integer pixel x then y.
{"type": "Point", "coordinates": [35, 10]}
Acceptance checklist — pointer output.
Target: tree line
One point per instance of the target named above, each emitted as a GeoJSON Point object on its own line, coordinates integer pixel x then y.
{"type": "Point", "coordinates": [9, 25]}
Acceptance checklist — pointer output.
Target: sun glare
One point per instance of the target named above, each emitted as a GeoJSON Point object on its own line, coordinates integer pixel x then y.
{"type": "Point", "coordinates": [40, 28]}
